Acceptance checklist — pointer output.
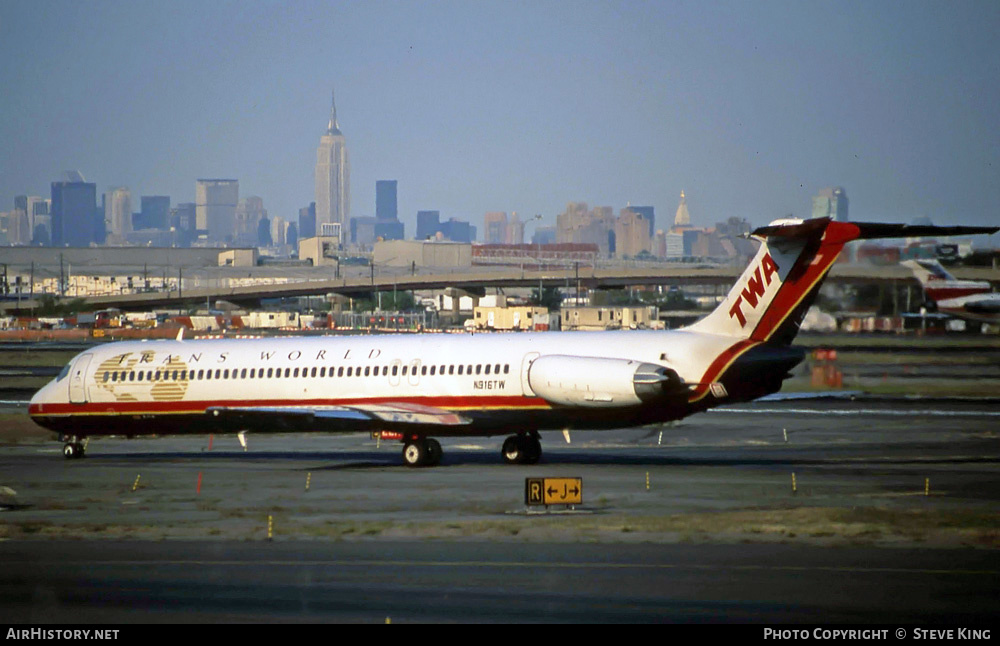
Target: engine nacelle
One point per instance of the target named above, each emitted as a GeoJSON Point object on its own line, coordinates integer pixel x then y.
{"type": "Point", "coordinates": [601, 383]}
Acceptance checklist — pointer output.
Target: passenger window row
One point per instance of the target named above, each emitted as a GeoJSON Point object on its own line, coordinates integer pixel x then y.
{"type": "Point", "coordinates": [404, 370]}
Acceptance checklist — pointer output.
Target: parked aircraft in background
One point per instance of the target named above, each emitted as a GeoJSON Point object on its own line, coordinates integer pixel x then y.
{"type": "Point", "coordinates": [418, 387]}
{"type": "Point", "coordinates": [971, 300]}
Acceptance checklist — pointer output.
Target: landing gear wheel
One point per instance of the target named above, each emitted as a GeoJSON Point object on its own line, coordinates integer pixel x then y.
{"type": "Point", "coordinates": [73, 450]}
{"type": "Point", "coordinates": [532, 449]}
{"type": "Point", "coordinates": [434, 452]}
{"type": "Point", "coordinates": [415, 453]}
{"type": "Point", "coordinates": [512, 451]}
{"type": "Point", "coordinates": [522, 449]}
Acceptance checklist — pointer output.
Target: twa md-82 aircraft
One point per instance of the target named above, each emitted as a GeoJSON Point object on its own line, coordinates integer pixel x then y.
{"type": "Point", "coordinates": [417, 387]}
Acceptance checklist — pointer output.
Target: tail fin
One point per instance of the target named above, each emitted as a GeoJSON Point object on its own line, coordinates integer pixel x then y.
{"type": "Point", "coordinates": [772, 296]}
{"type": "Point", "coordinates": [927, 270]}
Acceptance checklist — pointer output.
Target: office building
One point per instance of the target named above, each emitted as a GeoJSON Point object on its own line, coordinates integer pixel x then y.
{"type": "Point", "coordinates": [307, 221]}
{"type": "Point", "coordinates": [333, 176]}
{"type": "Point", "coordinates": [117, 215]}
{"type": "Point", "coordinates": [385, 200]}
{"type": "Point", "coordinates": [154, 212]}
{"type": "Point", "coordinates": [76, 220]}
{"type": "Point", "coordinates": [831, 203]}
{"type": "Point", "coordinates": [215, 209]}
{"type": "Point", "coordinates": [428, 224]}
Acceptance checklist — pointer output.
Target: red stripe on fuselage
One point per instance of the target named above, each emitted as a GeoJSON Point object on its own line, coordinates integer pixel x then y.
{"type": "Point", "coordinates": [200, 406]}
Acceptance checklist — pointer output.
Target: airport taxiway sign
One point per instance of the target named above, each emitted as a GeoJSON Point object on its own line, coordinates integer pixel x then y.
{"type": "Point", "coordinates": [553, 491]}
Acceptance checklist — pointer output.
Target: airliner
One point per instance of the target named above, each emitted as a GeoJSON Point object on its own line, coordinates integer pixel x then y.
{"type": "Point", "coordinates": [416, 388]}
{"type": "Point", "coordinates": [971, 300]}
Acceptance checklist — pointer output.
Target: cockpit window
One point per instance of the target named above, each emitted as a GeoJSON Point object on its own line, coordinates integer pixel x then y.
{"type": "Point", "coordinates": [63, 372]}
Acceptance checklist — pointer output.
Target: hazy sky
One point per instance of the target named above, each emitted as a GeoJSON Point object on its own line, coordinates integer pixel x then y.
{"type": "Point", "coordinates": [750, 107]}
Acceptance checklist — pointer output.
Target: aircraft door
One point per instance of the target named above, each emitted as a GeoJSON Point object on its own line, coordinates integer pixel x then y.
{"type": "Point", "coordinates": [525, 367]}
{"type": "Point", "coordinates": [77, 380]}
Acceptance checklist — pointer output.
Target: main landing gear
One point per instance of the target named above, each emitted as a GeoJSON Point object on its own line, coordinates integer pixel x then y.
{"type": "Point", "coordinates": [524, 448]}
{"type": "Point", "coordinates": [74, 449]}
{"type": "Point", "coordinates": [422, 452]}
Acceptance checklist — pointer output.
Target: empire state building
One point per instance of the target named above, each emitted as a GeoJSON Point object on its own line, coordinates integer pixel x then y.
{"type": "Point", "coordinates": [333, 181]}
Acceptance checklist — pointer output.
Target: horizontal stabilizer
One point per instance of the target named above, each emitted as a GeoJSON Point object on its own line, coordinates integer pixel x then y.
{"type": "Point", "coordinates": [847, 231]}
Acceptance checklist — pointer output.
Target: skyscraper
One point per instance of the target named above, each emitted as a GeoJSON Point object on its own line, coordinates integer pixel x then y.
{"type": "Point", "coordinates": [155, 210]}
{"type": "Point", "coordinates": [682, 218]}
{"type": "Point", "coordinates": [76, 221]}
{"type": "Point", "coordinates": [831, 202]}
{"type": "Point", "coordinates": [385, 199]}
{"type": "Point", "coordinates": [649, 214]}
{"type": "Point", "coordinates": [428, 224]}
{"type": "Point", "coordinates": [215, 208]}
{"type": "Point", "coordinates": [118, 214]}
{"type": "Point", "coordinates": [333, 177]}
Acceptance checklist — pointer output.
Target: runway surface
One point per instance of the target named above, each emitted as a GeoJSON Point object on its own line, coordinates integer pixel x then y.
{"type": "Point", "coordinates": [893, 518]}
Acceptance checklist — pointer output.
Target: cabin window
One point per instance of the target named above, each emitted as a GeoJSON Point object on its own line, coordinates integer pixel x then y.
{"type": "Point", "coordinates": [350, 371]}
{"type": "Point", "coordinates": [253, 373]}
{"type": "Point", "coordinates": [201, 374]}
{"type": "Point", "coordinates": [404, 370]}
{"type": "Point", "coordinates": [432, 370]}
{"type": "Point", "coordinates": [395, 370]}
{"type": "Point", "coordinates": [218, 373]}
{"type": "Point", "coordinates": [295, 373]}
{"type": "Point", "coordinates": [270, 372]}
{"type": "Point", "coordinates": [225, 373]}
{"type": "Point", "coordinates": [367, 370]}
{"type": "Point", "coordinates": [460, 369]}
{"type": "Point", "coordinates": [468, 369]}
{"type": "Point", "coordinates": [451, 370]}
{"type": "Point", "coordinates": [313, 372]}
{"type": "Point", "coordinates": [183, 375]}
{"type": "Point", "coordinates": [357, 371]}
{"type": "Point", "coordinates": [478, 368]}
{"type": "Point", "coordinates": [487, 368]}
{"type": "Point", "coordinates": [506, 368]}
{"type": "Point", "coordinates": [423, 370]}
{"type": "Point", "coordinates": [322, 371]}
{"type": "Point", "coordinates": [106, 375]}
{"type": "Point", "coordinates": [340, 371]}
{"type": "Point", "coordinates": [243, 373]}
{"type": "Point", "coordinates": [385, 371]}
{"type": "Point", "coordinates": [441, 370]}
{"type": "Point", "coordinates": [140, 375]}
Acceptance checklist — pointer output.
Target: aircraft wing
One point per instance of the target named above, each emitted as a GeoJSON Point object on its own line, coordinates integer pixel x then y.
{"type": "Point", "coordinates": [395, 416]}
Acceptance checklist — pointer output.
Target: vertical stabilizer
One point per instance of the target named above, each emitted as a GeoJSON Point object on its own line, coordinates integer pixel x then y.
{"type": "Point", "coordinates": [770, 299]}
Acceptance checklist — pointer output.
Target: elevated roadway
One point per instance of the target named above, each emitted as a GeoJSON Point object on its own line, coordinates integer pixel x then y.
{"type": "Point", "coordinates": [363, 281]}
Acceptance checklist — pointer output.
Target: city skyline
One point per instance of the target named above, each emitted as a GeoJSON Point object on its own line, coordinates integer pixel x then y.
{"type": "Point", "coordinates": [750, 109]}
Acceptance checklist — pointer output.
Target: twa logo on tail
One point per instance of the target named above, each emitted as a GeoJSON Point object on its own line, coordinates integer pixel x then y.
{"type": "Point", "coordinates": [756, 284]}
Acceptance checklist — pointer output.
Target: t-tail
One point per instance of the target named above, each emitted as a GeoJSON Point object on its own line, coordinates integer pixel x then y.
{"type": "Point", "coordinates": [761, 316]}
{"type": "Point", "coordinates": [771, 298]}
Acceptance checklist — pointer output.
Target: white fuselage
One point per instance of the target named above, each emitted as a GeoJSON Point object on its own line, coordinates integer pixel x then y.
{"type": "Point", "coordinates": [484, 373]}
